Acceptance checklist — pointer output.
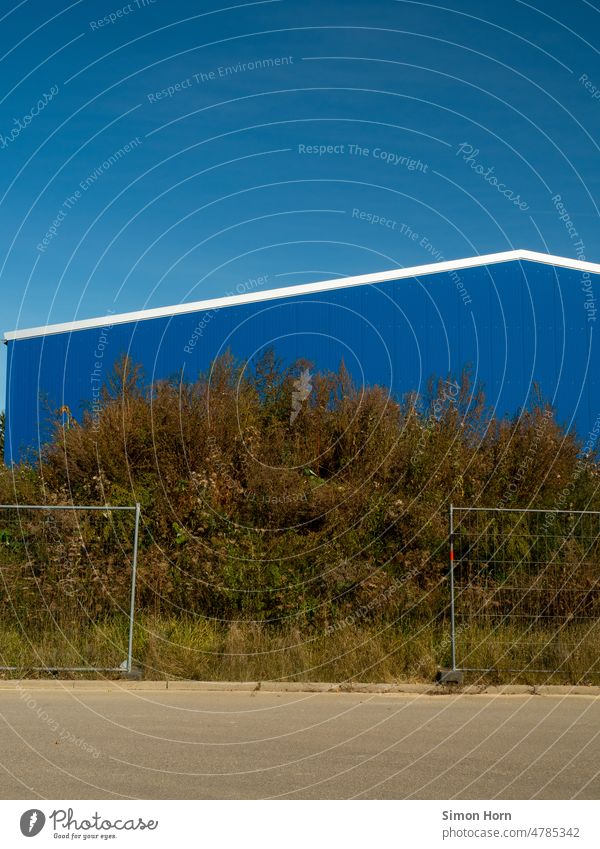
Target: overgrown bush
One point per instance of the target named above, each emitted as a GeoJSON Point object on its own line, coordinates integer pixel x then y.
{"type": "Point", "coordinates": [248, 516]}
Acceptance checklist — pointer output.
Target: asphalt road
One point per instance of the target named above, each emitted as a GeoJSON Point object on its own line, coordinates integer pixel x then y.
{"type": "Point", "coordinates": [69, 744]}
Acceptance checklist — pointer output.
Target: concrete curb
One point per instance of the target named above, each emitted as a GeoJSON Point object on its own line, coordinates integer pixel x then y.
{"type": "Point", "coordinates": [301, 687]}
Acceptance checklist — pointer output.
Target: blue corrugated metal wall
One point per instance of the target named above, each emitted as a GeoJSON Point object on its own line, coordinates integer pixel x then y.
{"type": "Point", "coordinates": [513, 322]}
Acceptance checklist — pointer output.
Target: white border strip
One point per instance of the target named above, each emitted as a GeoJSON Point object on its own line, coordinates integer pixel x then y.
{"type": "Point", "coordinates": [353, 823]}
{"type": "Point", "coordinates": [303, 289]}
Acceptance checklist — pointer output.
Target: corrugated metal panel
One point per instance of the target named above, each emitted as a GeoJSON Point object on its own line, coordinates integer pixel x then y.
{"type": "Point", "coordinates": [525, 322]}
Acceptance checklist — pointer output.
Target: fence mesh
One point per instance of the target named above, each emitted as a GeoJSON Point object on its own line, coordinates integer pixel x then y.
{"type": "Point", "coordinates": [67, 587]}
{"type": "Point", "coordinates": [526, 590]}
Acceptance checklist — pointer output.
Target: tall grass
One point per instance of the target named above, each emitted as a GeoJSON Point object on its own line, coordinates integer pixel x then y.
{"type": "Point", "coordinates": [184, 648]}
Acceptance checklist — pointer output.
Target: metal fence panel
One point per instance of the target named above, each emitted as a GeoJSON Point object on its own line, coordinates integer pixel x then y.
{"type": "Point", "coordinates": [525, 589]}
{"type": "Point", "coordinates": [67, 587]}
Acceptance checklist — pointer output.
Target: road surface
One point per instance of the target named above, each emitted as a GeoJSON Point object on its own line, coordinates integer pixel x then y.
{"type": "Point", "coordinates": [119, 743]}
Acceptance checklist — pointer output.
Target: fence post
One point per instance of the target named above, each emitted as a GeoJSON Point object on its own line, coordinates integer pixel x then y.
{"type": "Point", "coordinates": [133, 583]}
{"type": "Point", "coordinates": [452, 624]}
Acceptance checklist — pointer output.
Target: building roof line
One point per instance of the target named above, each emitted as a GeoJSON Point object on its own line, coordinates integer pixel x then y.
{"type": "Point", "coordinates": [303, 289]}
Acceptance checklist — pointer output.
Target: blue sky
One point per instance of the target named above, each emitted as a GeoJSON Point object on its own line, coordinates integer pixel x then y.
{"type": "Point", "coordinates": [156, 153]}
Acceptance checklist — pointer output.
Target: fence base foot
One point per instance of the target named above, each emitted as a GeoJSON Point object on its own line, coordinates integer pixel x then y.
{"type": "Point", "coordinates": [134, 675]}
{"type": "Point", "coordinates": [450, 676]}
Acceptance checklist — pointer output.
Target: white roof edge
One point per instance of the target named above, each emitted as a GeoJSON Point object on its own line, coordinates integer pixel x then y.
{"type": "Point", "coordinates": [302, 289]}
